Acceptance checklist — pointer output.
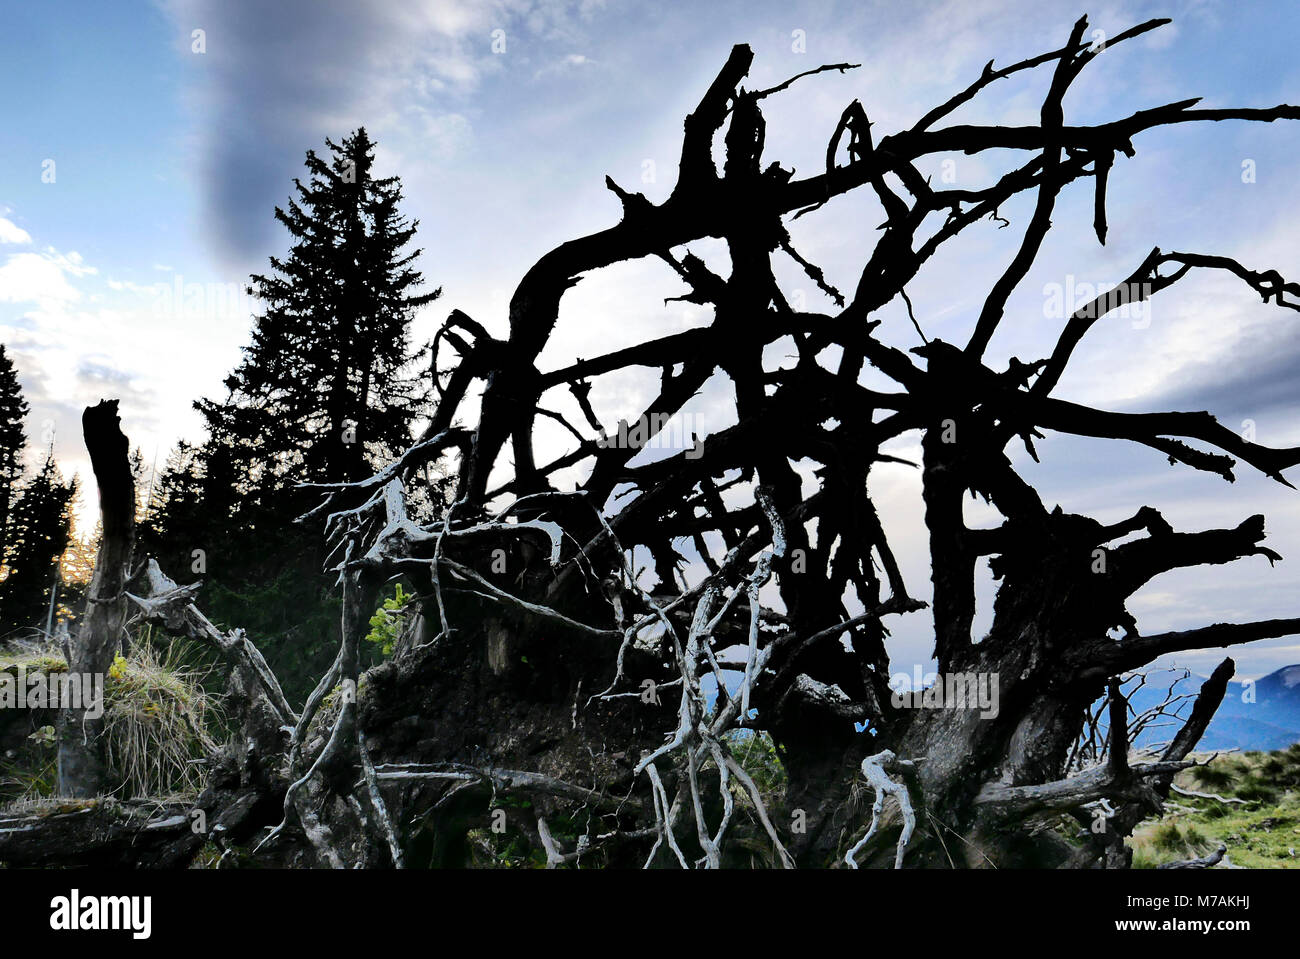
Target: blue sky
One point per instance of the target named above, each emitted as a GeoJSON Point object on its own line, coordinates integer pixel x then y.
{"type": "Point", "coordinates": [167, 163]}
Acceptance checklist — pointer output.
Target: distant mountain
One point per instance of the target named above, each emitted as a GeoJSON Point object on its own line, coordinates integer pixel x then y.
{"type": "Point", "coordinates": [1264, 717]}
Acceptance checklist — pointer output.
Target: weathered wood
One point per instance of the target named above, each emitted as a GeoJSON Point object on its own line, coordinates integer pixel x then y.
{"type": "Point", "coordinates": [535, 666]}
{"type": "Point", "coordinates": [81, 771]}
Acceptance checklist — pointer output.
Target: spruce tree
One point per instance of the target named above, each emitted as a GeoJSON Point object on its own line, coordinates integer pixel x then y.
{"type": "Point", "coordinates": [13, 441]}
{"type": "Point", "coordinates": [324, 392]}
{"type": "Point", "coordinates": [41, 530]}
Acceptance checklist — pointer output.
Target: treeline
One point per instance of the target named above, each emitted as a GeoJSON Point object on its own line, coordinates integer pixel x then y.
{"type": "Point", "coordinates": [35, 520]}
{"type": "Point", "coordinates": [329, 389]}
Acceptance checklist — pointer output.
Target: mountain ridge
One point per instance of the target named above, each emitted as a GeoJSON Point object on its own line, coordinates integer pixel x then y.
{"type": "Point", "coordinates": [1263, 714]}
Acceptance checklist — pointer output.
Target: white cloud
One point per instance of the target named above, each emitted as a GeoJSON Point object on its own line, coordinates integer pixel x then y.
{"type": "Point", "coordinates": [41, 278]}
{"type": "Point", "coordinates": [572, 61]}
{"type": "Point", "coordinates": [12, 233]}
{"type": "Point", "coordinates": [133, 287]}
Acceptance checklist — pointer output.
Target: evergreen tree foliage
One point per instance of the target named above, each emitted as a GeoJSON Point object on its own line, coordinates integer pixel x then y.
{"type": "Point", "coordinates": [324, 392]}
{"type": "Point", "coordinates": [13, 442]}
{"type": "Point", "coordinates": [41, 530]}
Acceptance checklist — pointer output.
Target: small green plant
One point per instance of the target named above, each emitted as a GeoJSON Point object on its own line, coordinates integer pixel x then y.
{"type": "Point", "coordinates": [34, 770]}
{"type": "Point", "coordinates": [44, 736]}
{"type": "Point", "coordinates": [758, 756]}
{"type": "Point", "coordinates": [1255, 790]}
{"type": "Point", "coordinates": [386, 625]}
{"type": "Point", "coordinates": [33, 775]}
{"type": "Point", "coordinates": [160, 724]}
{"type": "Point", "coordinates": [1194, 837]}
{"type": "Point", "coordinates": [117, 671]}
{"type": "Point", "coordinates": [34, 658]}
{"type": "Point", "coordinates": [332, 704]}
{"type": "Point", "coordinates": [29, 771]}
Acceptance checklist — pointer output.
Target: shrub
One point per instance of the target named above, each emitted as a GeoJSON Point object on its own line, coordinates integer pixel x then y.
{"type": "Point", "coordinates": [386, 625]}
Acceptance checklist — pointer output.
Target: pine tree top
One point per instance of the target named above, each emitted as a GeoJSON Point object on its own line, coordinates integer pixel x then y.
{"type": "Point", "coordinates": [325, 388]}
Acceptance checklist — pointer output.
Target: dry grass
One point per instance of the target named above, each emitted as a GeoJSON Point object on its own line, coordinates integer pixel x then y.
{"type": "Point", "coordinates": [34, 657]}
{"type": "Point", "coordinates": [158, 724]}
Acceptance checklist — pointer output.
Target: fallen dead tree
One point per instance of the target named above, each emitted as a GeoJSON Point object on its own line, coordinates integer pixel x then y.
{"type": "Point", "coordinates": [543, 668]}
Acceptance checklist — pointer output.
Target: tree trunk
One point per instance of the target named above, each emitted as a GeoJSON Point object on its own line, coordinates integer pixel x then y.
{"type": "Point", "coordinates": [81, 771]}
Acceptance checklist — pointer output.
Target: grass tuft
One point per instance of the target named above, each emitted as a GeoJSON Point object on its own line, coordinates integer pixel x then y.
{"type": "Point", "coordinates": [159, 724]}
{"type": "Point", "coordinates": [157, 719]}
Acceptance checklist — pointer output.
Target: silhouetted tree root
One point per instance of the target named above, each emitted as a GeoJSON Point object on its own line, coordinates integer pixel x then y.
{"type": "Point", "coordinates": [535, 667]}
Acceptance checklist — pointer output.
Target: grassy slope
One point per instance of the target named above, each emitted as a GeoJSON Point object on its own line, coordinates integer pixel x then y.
{"type": "Point", "coordinates": [1262, 832]}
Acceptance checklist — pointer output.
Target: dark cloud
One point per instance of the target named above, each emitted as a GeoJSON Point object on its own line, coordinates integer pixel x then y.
{"type": "Point", "coordinates": [1257, 378]}
{"type": "Point", "coordinates": [274, 80]}
{"type": "Point", "coordinates": [277, 78]}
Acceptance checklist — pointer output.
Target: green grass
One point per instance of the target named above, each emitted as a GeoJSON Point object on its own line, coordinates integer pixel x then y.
{"type": "Point", "coordinates": [35, 659]}
{"type": "Point", "coordinates": [1261, 832]}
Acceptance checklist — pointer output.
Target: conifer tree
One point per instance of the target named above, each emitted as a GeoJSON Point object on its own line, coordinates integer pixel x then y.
{"type": "Point", "coordinates": [13, 441]}
{"type": "Point", "coordinates": [41, 530]}
{"type": "Point", "coordinates": [324, 392]}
